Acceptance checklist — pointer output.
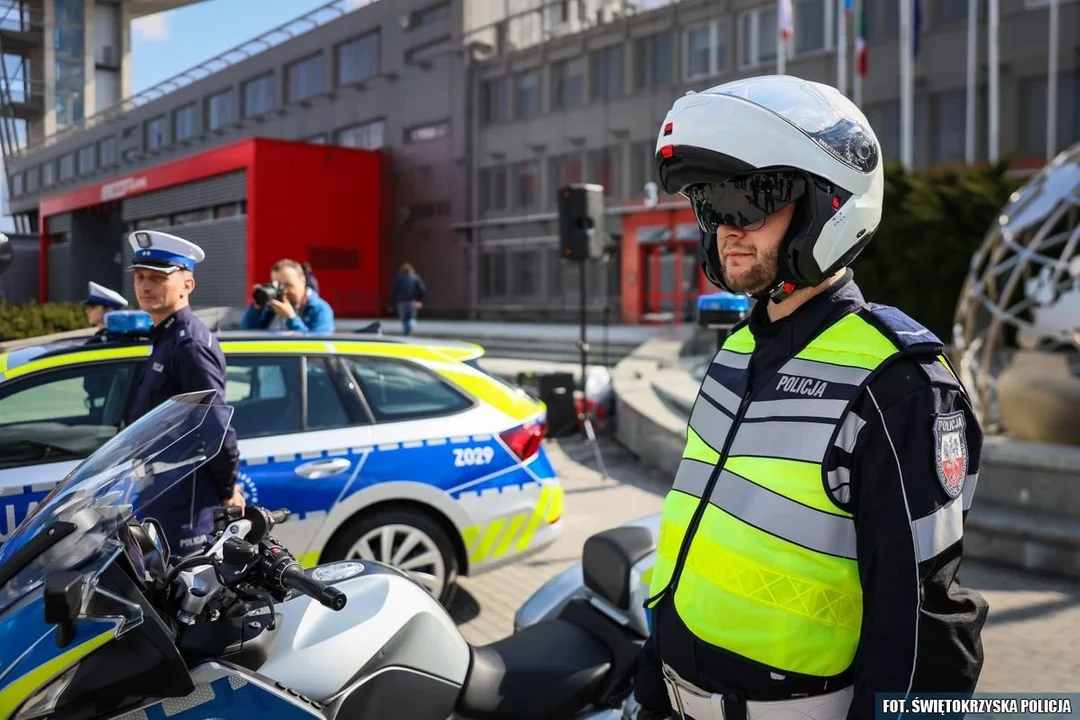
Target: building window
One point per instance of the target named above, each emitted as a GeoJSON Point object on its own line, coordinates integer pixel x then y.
{"type": "Point", "coordinates": [758, 35]}
{"type": "Point", "coordinates": [563, 169]}
{"type": "Point", "coordinates": [86, 160]}
{"type": "Point", "coordinates": [494, 98]}
{"type": "Point", "coordinates": [130, 155]}
{"type": "Point", "coordinates": [320, 139]}
{"type": "Point", "coordinates": [607, 73]}
{"type": "Point", "coordinates": [358, 59]}
{"type": "Point", "coordinates": [885, 119]}
{"type": "Point", "coordinates": [67, 167]}
{"type": "Point", "coordinates": [949, 123]}
{"type": "Point", "coordinates": [526, 193]}
{"type": "Point", "coordinates": [184, 122]}
{"type": "Point", "coordinates": [951, 10]}
{"type": "Point", "coordinates": [192, 216]}
{"type": "Point", "coordinates": [107, 152]}
{"type": "Point", "coordinates": [429, 15]}
{"type": "Point", "coordinates": [653, 59]}
{"type": "Point", "coordinates": [1033, 119]}
{"type": "Point", "coordinates": [220, 109]}
{"type": "Point", "coordinates": [603, 170]}
{"type": "Point", "coordinates": [258, 95]}
{"type": "Point", "coordinates": [69, 67]}
{"type": "Point", "coordinates": [16, 184]}
{"type": "Point", "coordinates": [155, 133]}
{"type": "Point", "coordinates": [811, 18]}
{"type": "Point", "coordinates": [527, 93]}
{"type": "Point", "coordinates": [492, 190]}
{"type": "Point", "coordinates": [431, 131]}
{"type": "Point", "coordinates": [568, 83]}
{"type": "Point", "coordinates": [48, 174]}
{"type": "Point", "coordinates": [32, 176]}
{"type": "Point", "coordinates": [368, 135]}
{"type": "Point", "coordinates": [305, 78]}
{"type": "Point", "coordinates": [705, 50]}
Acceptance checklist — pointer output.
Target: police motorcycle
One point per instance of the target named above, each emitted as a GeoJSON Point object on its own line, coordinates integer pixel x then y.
{"type": "Point", "coordinates": [98, 620]}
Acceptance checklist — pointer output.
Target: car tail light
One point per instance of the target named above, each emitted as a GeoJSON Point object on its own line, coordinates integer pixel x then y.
{"type": "Point", "coordinates": [524, 440]}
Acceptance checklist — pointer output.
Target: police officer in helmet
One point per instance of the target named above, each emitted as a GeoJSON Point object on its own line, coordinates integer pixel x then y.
{"type": "Point", "coordinates": [186, 357]}
{"type": "Point", "coordinates": [810, 544]}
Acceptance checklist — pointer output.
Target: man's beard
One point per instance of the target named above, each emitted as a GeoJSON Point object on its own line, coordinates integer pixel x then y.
{"type": "Point", "coordinates": [757, 279]}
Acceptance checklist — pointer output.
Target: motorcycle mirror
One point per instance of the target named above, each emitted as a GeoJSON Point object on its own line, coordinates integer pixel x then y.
{"type": "Point", "coordinates": [63, 602]}
{"type": "Point", "coordinates": [156, 559]}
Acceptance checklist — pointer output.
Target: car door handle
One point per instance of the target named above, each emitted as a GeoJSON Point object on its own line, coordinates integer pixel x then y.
{"type": "Point", "coordinates": [323, 468]}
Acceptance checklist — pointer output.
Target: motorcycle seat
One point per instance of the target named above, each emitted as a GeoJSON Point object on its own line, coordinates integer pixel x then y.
{"type": "Point", "coordinates": [549, 670]}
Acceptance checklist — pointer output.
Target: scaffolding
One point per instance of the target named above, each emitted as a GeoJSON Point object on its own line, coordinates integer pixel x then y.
{"type": "Point", "coordinates": [22, 28]}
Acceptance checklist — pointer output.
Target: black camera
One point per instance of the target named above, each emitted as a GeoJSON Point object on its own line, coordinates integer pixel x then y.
{"type": "Point", "coordinates": [265, 293]}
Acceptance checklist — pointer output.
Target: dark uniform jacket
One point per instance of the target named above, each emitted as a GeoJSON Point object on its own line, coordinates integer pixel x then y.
{"type": "Point", "coordinates": [186, 357]}
{"type": "Point", "coordinates": [921, 629]}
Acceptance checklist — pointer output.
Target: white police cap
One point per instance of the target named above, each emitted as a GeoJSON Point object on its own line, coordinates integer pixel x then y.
{"type": "Point", "coordinates": [163, 252]}
{"type": "Point", "coordinates": [101, 295]}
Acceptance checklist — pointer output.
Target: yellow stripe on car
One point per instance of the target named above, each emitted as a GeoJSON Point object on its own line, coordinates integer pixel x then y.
{"type": "Point", "coordinates": [78, 358]}
{"type": "Point", "coordinates": [488, 541]}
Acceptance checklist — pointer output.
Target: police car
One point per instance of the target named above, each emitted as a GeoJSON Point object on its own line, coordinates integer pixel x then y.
{"type": "Point", "coordinates": [398, 450]}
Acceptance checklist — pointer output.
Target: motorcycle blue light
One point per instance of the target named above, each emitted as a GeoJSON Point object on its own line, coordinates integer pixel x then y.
{"type": "Point", "coordinates": [128, 322]}
{"type": "Point", "coordinates": [723, 301]}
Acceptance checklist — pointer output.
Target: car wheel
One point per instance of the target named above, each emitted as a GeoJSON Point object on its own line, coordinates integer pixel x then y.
{"type": "Point", "coordinates": [408, 540]}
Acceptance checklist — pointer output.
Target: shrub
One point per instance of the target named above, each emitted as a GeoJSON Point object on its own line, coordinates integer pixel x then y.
{"type": "Point", "coordinates": [29, 319]}
{"type": "Point", "coordinates": [933, 223]}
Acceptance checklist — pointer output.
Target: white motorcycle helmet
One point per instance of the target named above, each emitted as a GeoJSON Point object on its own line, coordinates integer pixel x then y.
{"type": "Point", "coordinates": [744, 150]}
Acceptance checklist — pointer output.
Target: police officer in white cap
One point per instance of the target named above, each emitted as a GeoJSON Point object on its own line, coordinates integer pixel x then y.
{"type": "Point", "coordinates": [100, 300]}
{"type": "Point", "coordinates": [186, 357]}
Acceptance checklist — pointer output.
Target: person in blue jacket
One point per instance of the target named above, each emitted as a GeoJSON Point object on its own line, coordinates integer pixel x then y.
{"type": "Point", "coordinates": [297, 306]}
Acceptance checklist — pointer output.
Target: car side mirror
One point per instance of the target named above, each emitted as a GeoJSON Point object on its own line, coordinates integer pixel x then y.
{"type": "Point", "coordinates": [609, 557]}
{"type": "Point", "coordinates": [64, 593]}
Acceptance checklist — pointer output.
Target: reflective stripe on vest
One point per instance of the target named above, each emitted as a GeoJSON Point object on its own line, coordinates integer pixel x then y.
{"type": "Point", "coordinates": [771, 572]}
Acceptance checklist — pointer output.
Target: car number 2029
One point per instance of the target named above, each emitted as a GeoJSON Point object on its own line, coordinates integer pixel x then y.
{"type": "Point", "coordinates": [464, 457]}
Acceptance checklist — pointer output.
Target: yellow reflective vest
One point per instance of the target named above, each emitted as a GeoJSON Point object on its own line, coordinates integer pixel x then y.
{"type": "Point", "coordinates": [770, 570]}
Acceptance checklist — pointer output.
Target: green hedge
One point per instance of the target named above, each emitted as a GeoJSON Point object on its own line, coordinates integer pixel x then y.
{"type": "Point", "coordinates": [30, 319]}
{"type": "Point", "coordinates": [933, 223]}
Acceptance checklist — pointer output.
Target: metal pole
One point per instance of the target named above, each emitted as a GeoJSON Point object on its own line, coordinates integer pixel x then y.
{"type": "Point", "coordinates": [1052, 83]}
{"type": "Point", "coordinates": [856, 81]}
{"type": "Point", "coordinates": [584, 341]}
{"type": "Point", "coordinates": [906, 114]}
{"type": "Point", "coordinates": [972, 79]}
{"type": "Point", "coordinates": [995, 77]}
{"type": "Point", "coordinates": [841, 49]}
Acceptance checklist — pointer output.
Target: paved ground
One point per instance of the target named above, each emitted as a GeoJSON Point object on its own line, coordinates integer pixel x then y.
{"type": "Point", "coordinates": [1031, 640]}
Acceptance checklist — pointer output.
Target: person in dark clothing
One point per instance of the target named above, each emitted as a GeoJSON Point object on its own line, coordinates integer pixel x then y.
{"type": "Point", "coordinates": [99, 301]}
{"type": "Point", "coordinates": [309, 276]}
{"type": "Point", "coordinates": [186, 357]}
{"type": "Point", "coordinates": [407, 295]}
{"type": "Point", "coordinates": [810, 546]}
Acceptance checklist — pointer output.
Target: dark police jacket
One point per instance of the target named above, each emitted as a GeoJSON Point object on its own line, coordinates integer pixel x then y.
{"type": "Point", "coordinates": [921, 629]}
{"type": "Point", "coordinates": [186, 357]}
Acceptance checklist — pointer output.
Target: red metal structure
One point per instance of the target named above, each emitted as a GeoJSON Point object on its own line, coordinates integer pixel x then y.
{"type": "Point", "coordinates": [661, 276]}
{"type": "Point", "coordinates": [314, 203]}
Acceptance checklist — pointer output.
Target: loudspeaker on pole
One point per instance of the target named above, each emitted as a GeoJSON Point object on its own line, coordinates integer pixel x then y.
{"type": "Point", "coordinates": [581, 221]}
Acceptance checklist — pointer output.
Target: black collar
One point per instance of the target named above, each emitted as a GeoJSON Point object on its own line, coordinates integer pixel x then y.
{"type": "Point", "coordinates": [800, 327]}
{"type": "Point", "coordinates": [165, 326]}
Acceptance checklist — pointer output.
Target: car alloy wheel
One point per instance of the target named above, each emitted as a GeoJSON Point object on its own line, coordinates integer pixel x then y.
{"type": "Point", "coordinates": [407, 548]}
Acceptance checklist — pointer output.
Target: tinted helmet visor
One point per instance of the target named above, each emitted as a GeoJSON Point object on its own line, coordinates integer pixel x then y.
{"type": "Point", "coordinates": [744, 201]}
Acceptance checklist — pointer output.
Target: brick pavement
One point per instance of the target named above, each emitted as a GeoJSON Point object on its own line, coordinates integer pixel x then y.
{"type": "Point", "coordinates": [1031, 640]}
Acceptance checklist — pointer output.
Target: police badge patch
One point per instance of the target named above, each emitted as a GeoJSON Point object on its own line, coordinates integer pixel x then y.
{"type": "Point", "coordinates": [951, 451]}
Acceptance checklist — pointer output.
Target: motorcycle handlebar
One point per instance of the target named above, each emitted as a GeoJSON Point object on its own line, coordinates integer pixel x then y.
{"type": "Point", "coordinates": [294, 578]}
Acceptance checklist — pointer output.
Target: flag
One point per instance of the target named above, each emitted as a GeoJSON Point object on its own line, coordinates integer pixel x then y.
{"type": "Point", "coordinates": [862, 62]}
{"type": "Point", "coordinates": [916, 28]}
{"type": "Point", "coordinates": [849, 7]}
{"type": "Point", "coordinates": [787, 27]}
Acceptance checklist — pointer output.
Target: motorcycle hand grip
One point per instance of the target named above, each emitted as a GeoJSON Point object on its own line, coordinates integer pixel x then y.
{"type": "Point", "coordinates": [295, 578]}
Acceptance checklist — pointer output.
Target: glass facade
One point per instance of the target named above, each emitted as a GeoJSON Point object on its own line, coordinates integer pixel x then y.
{"type": "Point", "coordinates": [70, 50]}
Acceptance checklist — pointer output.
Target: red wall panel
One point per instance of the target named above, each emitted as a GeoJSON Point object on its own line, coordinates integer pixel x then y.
{"type": "Point", "coordinates": [320, 204]}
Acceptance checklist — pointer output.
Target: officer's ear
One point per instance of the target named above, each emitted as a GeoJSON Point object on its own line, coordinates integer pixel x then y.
{"type": "Point", "coordinates": [189, 282]}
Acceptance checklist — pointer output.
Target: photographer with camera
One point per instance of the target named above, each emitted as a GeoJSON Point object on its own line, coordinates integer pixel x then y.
{"type": "Point", "coordinates": [287, 303]}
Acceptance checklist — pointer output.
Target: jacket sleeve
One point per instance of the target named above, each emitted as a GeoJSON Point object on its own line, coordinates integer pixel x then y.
{"type": "Point", "coordinates": [419, 289]}
{"type": "Point", "coordinates": [253, 318]}
{"type": "Point", "coordinates": [917, 439]}
{"type": "Point", "coordinates": [319, 319]}
{"type": "Point", "coordinates": [649, 687]}
{"type": "Point", "coordinates": [198, 366]}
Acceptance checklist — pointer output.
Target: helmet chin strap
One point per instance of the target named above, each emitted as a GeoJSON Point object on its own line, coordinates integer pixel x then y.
{"type": "Point", "coordinates": [778, 292]}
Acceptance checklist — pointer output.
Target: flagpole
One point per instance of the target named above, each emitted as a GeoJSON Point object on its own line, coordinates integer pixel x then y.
{"type": "Point", "coordinates": [972, 78]}
{"type": "Point", "coordinates": [1052, 84]}
{"type": "Point", "coordinates": [841, 49]}
{"type": "Point", "coordinates": [995, 76]}
{"type": "Point", "coordinates": [906, 85]}
{"type": "Point", "coordinates": [781, 61]}
{"type": "Point", "coordinates": [856, 81]}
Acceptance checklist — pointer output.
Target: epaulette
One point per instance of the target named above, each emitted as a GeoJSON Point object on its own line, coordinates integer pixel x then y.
{"type": "Point", "coordinates": [909, 336]}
